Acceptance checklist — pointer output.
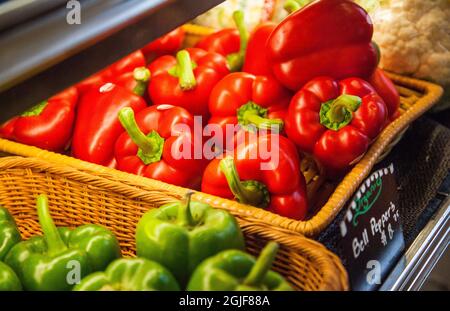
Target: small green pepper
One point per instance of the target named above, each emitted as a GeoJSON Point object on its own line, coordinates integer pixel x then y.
{"type": "Point", "coordinates": [180, 235]}
{"type": "Point", "coordinates": [9, 234]}
{"type": "Point", "coordinates": [61, 257]}
{"type": "Point", "coordinates": [130, 274]}
{"type": "Point", "coordinates": [8, 279]}
{"type": "Point", "coordinates": [239, 271]}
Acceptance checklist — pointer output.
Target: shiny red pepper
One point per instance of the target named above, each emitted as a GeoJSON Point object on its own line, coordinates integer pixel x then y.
{"type": "Point", "coordinates": [256, 61]}
{"type": "Point", "coordinates": [229, 42]}
{"type": "Point", "coordinates": [325, 38]}
{"type": "Point", "coordinates": [386, 89]}
{"type": "Point", "coordinates": [97, 126]}
{"type": "Point", "coordinates": [152, 145]}
{"type": "Point", "coordinates": [48, 125]}
{"type": "Point", "coordinates": [186, 80]}
{"type": "Point", "coordinates": [273, 182]}
{"type": "Point", "coordinates": [248, 100]}
{"type": "Point", "coordinates": [170, 43]}
{"type": "Point", "coordinates": [110, 73]}
{"type": "Point", "coordinates": [336, 121]}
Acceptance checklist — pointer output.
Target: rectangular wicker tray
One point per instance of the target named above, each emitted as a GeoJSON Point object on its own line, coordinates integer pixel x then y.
{"type": "Point", "coordinates": [77, 197]}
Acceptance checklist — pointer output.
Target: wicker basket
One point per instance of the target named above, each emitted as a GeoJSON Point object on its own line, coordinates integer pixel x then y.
{"type": "Point", "coordinates": [78, 197]}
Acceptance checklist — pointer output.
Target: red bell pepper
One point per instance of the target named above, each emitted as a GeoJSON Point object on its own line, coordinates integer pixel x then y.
{"type": "Point", "coordinates": [151, 145]}
{"type": "Point", "coordinates": [48, 125]}
{"type": "Point", "coordinates": [186, 80]}
{"type": "Point", "coordinates": [325, 38]}
{"type": "Point", "coordinates": [386, 89]}
{"type": "Point", "coordinates": [135, 81]}
{"type": "Point", "coordinates": [335, 121]}
{"type": "Point", "coordinates": [229, 42]}
{"type": "Point", "coordinates": [279, 186]}
{"type": "Point", "coordinates": [256, 61]}
{"type": "Point", "coordinates": [122, 66]}
{"type": "Point", "coordinates": [246, 99]}
{"type": "Point", "coordinates": [97, 126]}
{"type": "Point", "coordinates": [170, 43]}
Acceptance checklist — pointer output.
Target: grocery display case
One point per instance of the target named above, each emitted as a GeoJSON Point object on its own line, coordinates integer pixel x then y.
{"type": "Point", "coordinates": [45, 54]}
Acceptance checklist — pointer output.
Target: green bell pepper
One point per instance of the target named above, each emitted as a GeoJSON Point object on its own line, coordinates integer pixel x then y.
{"type": "Point", "coordinates": [130, 274]}
{"type": "Point", "coordinates": [61, 257]}
{"type": "Point", "coordinates": [9, 234]}
{"type": "Point", "coordinates": [8, 279]}
{"type": "Point", "coordinates": [237, 270]}
{"type": "Point", "coordinates": [180, 235]}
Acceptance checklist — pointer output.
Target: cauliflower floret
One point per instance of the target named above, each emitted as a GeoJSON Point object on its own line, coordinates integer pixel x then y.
{"type": "Point", "coordinates": [414, 38]}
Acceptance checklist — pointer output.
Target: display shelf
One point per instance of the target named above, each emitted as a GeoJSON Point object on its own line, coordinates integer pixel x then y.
{"type": "Point", "coordinates": [419, 259]}
{"type": "Point", "coordinates": [45, 48]}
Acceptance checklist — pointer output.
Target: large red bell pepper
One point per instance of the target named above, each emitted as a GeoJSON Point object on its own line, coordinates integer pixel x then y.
{"type": "Point", "coordinates": [229, 42]}
{"type": "Point", "coordinates": [170, 43]}
{"type": "Point", "coordinates": [97, 126]}
{"type": "Point", "coordinates": [152, 146]}
{"type": "Point", "coordinates": [273, 182]}
{"type": "Point", "coordinates": [325, 38]}
{"type": "Point", "coordinates": [248, 100]}
{"type": "Point", "coordinates": [386, 89]}
{"type": "Point", "coordinates": [110, 73]}
{"type": "Point", "coordinates": [256, 61]}
{"type": "Point", "coordinates": [336, 121]}
{"type": "Point", "coordinates": [48, 125]}
{"type": "Point", "coordinates": [186, 80]}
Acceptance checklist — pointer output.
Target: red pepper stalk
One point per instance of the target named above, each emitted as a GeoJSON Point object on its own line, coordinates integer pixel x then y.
{"type": "Point", "coordinates": [335, 121]}
{"type": "Point", "coordinates": [230, 42]}
{"type": "Point", "coordinates": [186, 80]}
{"type": "Point", "coordinates": [135, 81]}
{"type": "Point", "coordinates": [147, 146]}
{"type": "Point", "coordinates": [48, 125]}
{"type": "Point", "coordinates": [280, 188]}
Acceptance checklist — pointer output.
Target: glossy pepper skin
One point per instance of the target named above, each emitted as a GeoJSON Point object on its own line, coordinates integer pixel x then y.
{"type": "Point", "coordinates": [264, 172]}
{"type": "Point", "coordinates": [325, 38]}
{"type": "Point", "coordinates": [110, 73]}
{"type": "Point", "coordinates": [248, 100]}
{"type": "Point", "coordinates": [153, 142]}
{"type": "Point", "coordinates": [186, 80]}
{"type": "Point", "coordinates": [335, 121]}
{"type": "Point", "coordinates": [256, 60]}
{"type": "Point", "coordinates": [180, 235]}
{"type": "Point", "coordinates": [8, 279]}
{"type": "Point", "coordinates": [229, 42]}
{"type": "Point", "coordinates": [9, 234]}
{"type": "Point", "coordinates": [234, 270]}
{"type": "Point", "coordinates": [48, 125]}
{"type": "Point", "coordinates": [43, 262]}
{"type": "Point", "coordinates": [97, 126]}
{"type": "Point", "coordinates": [130, 274]}
{"type": "Point", "coordinates": [387, 91]}
{"type": "Point", "coordinates": [170, 43]}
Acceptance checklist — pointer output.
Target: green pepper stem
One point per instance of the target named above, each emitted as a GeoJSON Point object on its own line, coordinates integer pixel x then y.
{"type": "Point", "coordinates": [35, 110]}
{"type": "Point", "coordinates": [236, 60]}
{"type": "Point", "coordinates": [378, 51]}
{"type": "Point", "coordinates": [52, 237]}
{"type": "Point", "coordinates": [142, 76]}
{"type": "Point", "coordinates": [262, 265]}
{"type": "Point", "coordinates": [262, 123]}
{"type": "Point", "coordinates": [185, 71]}
{"type": "Point", "coordinates": [244, 193]}
{"type": "Point", "coordinates": [291, 6]}
{"type": "Point", "coordinates": [341, 105]}
{"type": "Point", "coordinates": [184, 211]}
{"type": "Point", "coordinates": [150, 146]}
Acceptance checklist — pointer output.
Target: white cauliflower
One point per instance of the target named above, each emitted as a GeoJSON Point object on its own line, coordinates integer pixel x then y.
{"type": "Point", "coordinates": [414, 38]}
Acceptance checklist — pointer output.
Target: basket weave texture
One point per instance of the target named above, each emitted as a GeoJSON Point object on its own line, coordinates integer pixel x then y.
{"type": "Point", "coordinates": [79, 197]}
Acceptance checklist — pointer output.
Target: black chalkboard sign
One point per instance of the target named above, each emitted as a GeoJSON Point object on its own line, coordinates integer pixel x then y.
{"type": "Point", "coordinates": [371, 233]}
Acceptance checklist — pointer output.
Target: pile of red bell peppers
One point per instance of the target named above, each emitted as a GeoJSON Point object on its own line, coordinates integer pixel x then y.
{"type": "Point", "coordinates": [310, 84]}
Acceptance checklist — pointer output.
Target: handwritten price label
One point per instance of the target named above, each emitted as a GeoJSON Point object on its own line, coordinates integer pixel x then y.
{"type": "Point", "coordinates": [371, 232]}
